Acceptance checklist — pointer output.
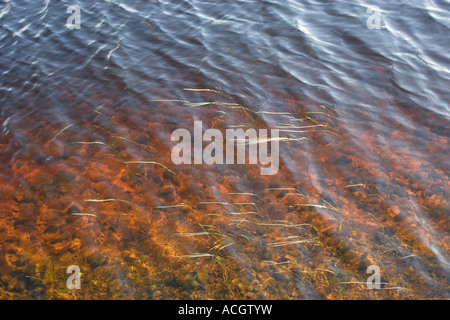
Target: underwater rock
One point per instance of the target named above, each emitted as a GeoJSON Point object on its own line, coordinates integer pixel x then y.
{"type": "Point", "coordinates": [24, 212]}
{"type": "Point", "coordinates": [96, 260]}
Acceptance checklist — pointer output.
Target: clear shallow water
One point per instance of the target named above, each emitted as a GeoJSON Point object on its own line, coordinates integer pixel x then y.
{"type": "Point", "coordinates": [368, 184]}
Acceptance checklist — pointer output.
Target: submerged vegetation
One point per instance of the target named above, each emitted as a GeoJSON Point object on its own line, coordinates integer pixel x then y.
{"type": "Point", "coordinates": [141, 227]}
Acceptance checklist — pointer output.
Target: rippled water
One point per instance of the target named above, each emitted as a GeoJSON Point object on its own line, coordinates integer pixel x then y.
{"type": "Point", "coordinates": [363, 179]}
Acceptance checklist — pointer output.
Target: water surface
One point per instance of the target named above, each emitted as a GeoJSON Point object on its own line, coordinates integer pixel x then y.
{"type": "Point", "coordinates": [363, 179]}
